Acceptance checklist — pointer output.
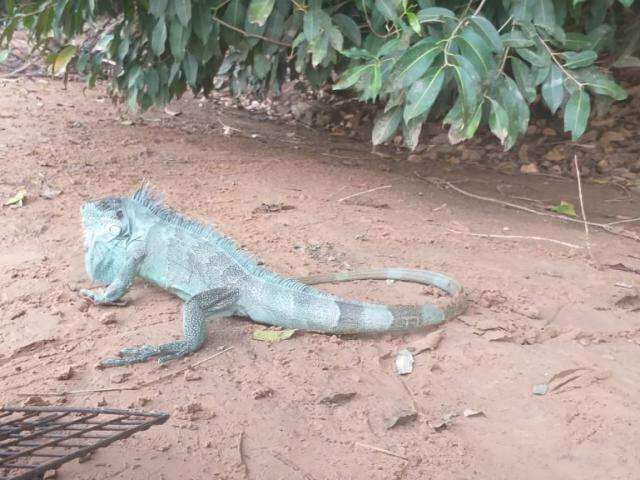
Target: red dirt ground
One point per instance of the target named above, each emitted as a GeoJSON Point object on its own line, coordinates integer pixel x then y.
{"type": "Point", "coordinates": [538, 308]}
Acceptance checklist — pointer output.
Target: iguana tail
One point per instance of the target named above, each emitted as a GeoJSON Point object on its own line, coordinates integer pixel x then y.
{"type": "Point", "coordinates": [359, 317]}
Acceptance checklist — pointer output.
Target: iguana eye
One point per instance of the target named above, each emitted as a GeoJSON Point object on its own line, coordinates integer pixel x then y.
{"type": "Point", "coordinates": [119, 215]}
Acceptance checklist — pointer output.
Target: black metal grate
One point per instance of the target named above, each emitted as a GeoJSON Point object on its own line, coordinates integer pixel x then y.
{"type": "Point", "coordinates": [36, 439]}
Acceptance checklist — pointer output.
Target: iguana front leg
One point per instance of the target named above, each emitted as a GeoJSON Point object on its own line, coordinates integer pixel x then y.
{"type": "Point", "coordinates": [120, 285]}
{"type": "Point", "coordinates": [196, 311]}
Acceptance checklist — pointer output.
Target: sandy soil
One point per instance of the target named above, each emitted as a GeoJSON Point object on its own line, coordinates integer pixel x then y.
{"type": "Point", "coordinates": [538, 308]}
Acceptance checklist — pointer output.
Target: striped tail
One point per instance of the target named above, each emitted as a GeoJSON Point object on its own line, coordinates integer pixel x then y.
{"type": "Point", "coordinates": [360, 317]}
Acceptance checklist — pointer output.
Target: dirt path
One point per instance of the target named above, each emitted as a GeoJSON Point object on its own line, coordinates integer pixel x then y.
{"type": "Point", "coordinates": [538, 308]}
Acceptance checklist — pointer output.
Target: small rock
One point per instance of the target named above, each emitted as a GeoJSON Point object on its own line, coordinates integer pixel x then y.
{"type": "Point", "coordinates": [109, 318]}
{"type": "Point", "coordinates": [549, 132]}
{"type": "Point", "coordinates": [540, 389]}
{"type": "Point", "coordinates": [529, 168]}
{"type": "Point", "coordinates": [142, 401]}
{"type": "Point", "coordinates": [603, 166]}
{"type": "Point", "coordinates": [119, 377]}
{"type": "Point", "coordinates": [404, 362]}
{"type": "Point", "coordinates": [415, 158]}
{"type": "Point", "coordinates": [263, 393]}
{"type": "Point", "coordinates": [191, 376]}
{"type": "Point", "coordinates": [497, 336]}
{"type": "Point", "coordinates": [193, 411]}
{"type": "Point", "coordinates": [470, 412]}
{"type": "Point", "coordinates": [102, 402]}
{"type": "Point", "coordinates": [50, 475]}
{"type": "Point", "coordinates": [35, 401]}
{"type": "Point", "coordinates": [85, 458]}
{"type": "Point", "coordinates": [402, 417]}
{"type": "Point", "coordinates": [337, 397]}
{"type": "Point", "coordinates": [65, 374]}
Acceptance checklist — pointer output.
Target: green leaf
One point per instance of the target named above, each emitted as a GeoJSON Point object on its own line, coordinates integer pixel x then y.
{"type": "Point", "coordinates": [202, 22]}
{"type": "Point", "coordinates": [488, 31]}
{"type": "Point", "coordinates": [576, 113]}
{"type": "Point", "coordinates": [544, 14]}
{"type": "Point", "coordinates": [509, 96]}
{"type": "Point", "coordinates": [350, 77]}
{"type": "Point", "coordinates": [159, 37]}
{"type": "Point", "coordinates": [319, 48]}
{"type": "Point", "coordinates": [272, 336]}
{"type": "Point", "coordinates": [178, 38]}
{"type": "Point", "coordinates": [516, 39]}
{"type": "Point", "coordinates": [385, 125]}
{"type": "Point", "coordinates": [475, 49]}
{"type": "Point", "coordinates": [183, 11]}
{"type": "Point", "coordinates": [600, 83]}
{"type": "Point", "coordinates": [259, 11]}
{"type": "Point", "coordinates": [158, 8]}
{"type": "Point", "coordinates": [553, 89]}
{"type": "Point", "coordinates": [348, 27]}
{"type": "Point", "coordinates": [534, 58]}
{"type": "Point", "coordinates": [564, 208]}
{"type": "Point", "coordinates": [413, 63]}
{"type": "Point", "coordinates": [414, 23]}
{"type": "Point", "coordinates": [468, 84]}
{"type": "Point", "coordinates": [335, 38]}
{"type": "Point", "coordinates": [524, 78]}
{"type": "Point", "coordinates": [389, 8]}
{"type": "Point", "coordinates": [190, 69]}
{"type": "Point", "coordinates": [579, 59]}
{"type": "Point", "coordinates": [4, 54]}
{"type": "Point", "coordinates": [499, 121]}
{"type": "Point", "coordinates": [435, 14]}
{"type": "Point", "coordinates": [314, 22]}
{"type": "Point", "coordinates": [577, 41]}
{"type": "Point", "coordinates": [234, 15]}
{"type": "Point", "coordinates": [411, 132]}
{"type": "Point", "coordinates": [423, 93]}
{"type": "Point", "coordinates": [600, 37]}
{"type": "Point", "coordinates": [374, 84]}
{"type": "Point", "coordinates": [62, 59]}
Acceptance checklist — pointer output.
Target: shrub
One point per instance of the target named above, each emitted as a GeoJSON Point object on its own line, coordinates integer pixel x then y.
{"type": "Point", "coordinates": [470, 63]}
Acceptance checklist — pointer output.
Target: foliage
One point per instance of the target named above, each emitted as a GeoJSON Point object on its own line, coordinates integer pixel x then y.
{"type": "Point", "coordinates": [470, 63]}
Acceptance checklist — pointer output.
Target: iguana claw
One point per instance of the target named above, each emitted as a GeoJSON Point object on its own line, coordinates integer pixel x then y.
{"type": "Point", "coordinates": [96, 299]}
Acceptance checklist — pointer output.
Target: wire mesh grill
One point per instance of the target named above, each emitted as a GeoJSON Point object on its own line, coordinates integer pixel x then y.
{"type": "Point", "coordinates": [36, 439]}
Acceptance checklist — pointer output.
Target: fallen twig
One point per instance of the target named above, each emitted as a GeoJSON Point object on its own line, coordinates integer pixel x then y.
{"type": "Point", "coordinates": [381, 450]}
{"type": "Point", "coordinates": [520, 237]}
{"type": "Point", "coordinates": [362, 193]}
{"type": "Point", "coordinates": [607, 227]}
{"type": "Point", "coordinates": [587, 239]}
{"type": "Point", "coordinates": [241, 453]}
{"type": "Point", "coordinates": [133, 387]}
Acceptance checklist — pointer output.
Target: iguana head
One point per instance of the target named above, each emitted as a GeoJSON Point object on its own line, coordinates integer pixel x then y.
{"type": "Point", "coordinates": [106, 234]}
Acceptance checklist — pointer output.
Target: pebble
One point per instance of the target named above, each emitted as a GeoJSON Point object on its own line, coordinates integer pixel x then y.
{"type": "Point", "coordinates": [65, 374]}
{"type": "Point", "coordinates": [109, 318]}
{"type": "Point", "coordinates": [529, 168]}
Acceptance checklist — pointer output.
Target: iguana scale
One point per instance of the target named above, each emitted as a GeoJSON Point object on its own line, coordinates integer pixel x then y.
{"type": "Point", "coordinates": [137, 236]}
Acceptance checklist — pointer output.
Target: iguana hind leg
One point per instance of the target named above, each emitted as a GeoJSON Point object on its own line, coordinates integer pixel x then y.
{"type": "Point", "coordinates": [216, 303]}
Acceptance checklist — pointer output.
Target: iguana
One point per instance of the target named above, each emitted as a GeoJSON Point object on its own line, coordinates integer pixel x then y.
{"type": "Point", "coordinates": [137, 236]}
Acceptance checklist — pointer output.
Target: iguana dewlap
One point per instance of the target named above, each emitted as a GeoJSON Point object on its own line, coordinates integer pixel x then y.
{"type": "Point", "coordinates": [129, 237]}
